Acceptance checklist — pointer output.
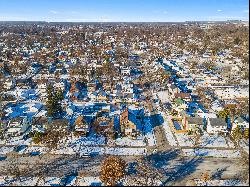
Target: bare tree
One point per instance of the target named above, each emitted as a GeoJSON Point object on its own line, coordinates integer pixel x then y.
{"type": "Point", "coordinates": [112, 170]}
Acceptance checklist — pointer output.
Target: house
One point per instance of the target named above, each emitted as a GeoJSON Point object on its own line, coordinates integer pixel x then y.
{"type": "Point", "coordinates": [91, 87]}
{"type": "Point", "coordinates": [41, 85]}
{"type": "Point", "coordinates": [216, 106]}
{"type": "Point", "coordinates": [192, 123]}
{"type": "Point", "coordinates": [104, 125]}
{"type": "Point", "coordinates": [106, 86]}
{"type": "Point", "coordinates": [130, 123]}
{"type": "Point", "coordinates": [183, 96]}
{"type": "Point", "coordinates": [98, 96]}
{"type": "Point", "coordinates": [15, 127]}
{"type": "Point", "coordinates": [241, 123]}
{"type": "Point", "coordinates": [39, 124]}
{"type": "Point", "coordinates": [59, 85]}
{"type": "Point", "coordinates": [57, 124]}
{"type": "Point", "coordinates": [9, 83]}
{"type": "Point", "coordinates": [42, 89]}
{"type": "Point", "coordinates": [125, 71]}
{"type": "Point", "coordinates": [230, 92]}
{"type": "Point", "coordinates": [216, 125]}
{"type": "Point", "coordinates": [128, 128]}
{"type": "Point", "coordinates": [172, 91]}
{"type": "Point", "coordinates": [81, 126]}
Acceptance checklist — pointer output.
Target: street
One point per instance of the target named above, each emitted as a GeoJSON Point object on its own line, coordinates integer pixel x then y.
{"type": "Point", "coordinates": [174, 167]}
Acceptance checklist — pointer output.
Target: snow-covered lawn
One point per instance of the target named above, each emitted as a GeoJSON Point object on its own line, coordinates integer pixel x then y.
{"type": "Point", "coordinates": [205, 140]}
{"type": "Point", "coordinates": [28, 181]}
{"type": "Point", "coordinates": [88, 181]}
{"type": "Point", "coordinates": [139, 142]}
{"type": "Point", "coordinates": [112, 151]}
{"type": "Point", "coordinates": [229, 182]}
{"type": "Point", "coordinates": [34, 149]}
{"type": "Point", "coordinates": [138, 181]}
{"type": "Point", "coordinates": [163, 96]}
{"type": "Point", "coordinates": [212, 153]}
{"type": "Point", "coordinates": [50, 181]}
{"type": "Point", "coordinates": [214, 140]}
{"type": "Point", "coordinates": [185, 140]}
{"type": "Point", "coordinates": [169, 134]}
{"type": "Point", "coordinates": [151, 139]}
{"type": "Point", "coordinates": [24, 181]}
{"type": "Point", "coordinates": [93, 150]}
{"type": "Point", "coordinates": [245, 145]}
{"type": "Point", "coordinates": [93, 140]}
{"type": "Point", "coordinates": [18, 141]}
{"type": "Point", "coordinates": [64, 151]}
{"type": "Point", "coordinates": [6, 150]}
{"type": "Point", "coordinates": [129, 142]}
{"type": "Point", "coordinates": [74, 181]}
{"type": "Point", "coordinates": [230, 143]}
{"type": "Point", "coordinates": [2, 142]}
{"type": "Point", "coordinates": [125, 151]}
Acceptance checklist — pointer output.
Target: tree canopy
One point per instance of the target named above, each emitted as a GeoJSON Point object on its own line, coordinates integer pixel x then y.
{"type": "Point", "coordinates": [53, 103]}
{"type": "Point", "coordinates": [112, 170]}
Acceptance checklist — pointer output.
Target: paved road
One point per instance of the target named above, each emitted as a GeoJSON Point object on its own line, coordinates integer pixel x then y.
{"type": "Point", "coordinates": [161, 140]}
{"type": "Point", "coordinates": [175, 168]}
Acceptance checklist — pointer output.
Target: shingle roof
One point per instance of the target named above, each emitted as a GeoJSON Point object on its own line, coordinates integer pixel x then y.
{"type": "Point", "coordinates": [195, 120]}
{"type": "Point", "coordinates": [173, 86]}
{"type": "Point", "coordinates": [182, 95]}
{"type": "Point", "coordinates": [217, 122]}
{"type": "Point", "coordinates": [240, 120]}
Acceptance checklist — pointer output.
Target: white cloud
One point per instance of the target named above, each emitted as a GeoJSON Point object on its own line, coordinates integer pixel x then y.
{"type": "Point", "coordinates": [219, 10]}
{"type": "Point", "coordinates": [53, 12]}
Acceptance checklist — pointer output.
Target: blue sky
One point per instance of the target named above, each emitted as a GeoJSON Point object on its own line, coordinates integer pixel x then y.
{"type": "Point", "coordinates": [123, 10]}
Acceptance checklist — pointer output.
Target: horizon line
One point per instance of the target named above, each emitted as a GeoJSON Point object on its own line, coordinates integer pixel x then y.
{"type": "Point", "coordinates": [124, 21]}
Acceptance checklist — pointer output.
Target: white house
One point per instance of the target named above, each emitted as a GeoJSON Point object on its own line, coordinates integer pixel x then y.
{"type": "Point", "coordinates": [14, 127]}
{"type": "Point", "coordinates": [125, 71]}
{"type": "Point", "coordinates": [241, 123]}
{"type": "Point", "coordinates": [216, 125]}
{"type": "Point", "coordinates": [59, 85]}
{"type": "Point", "coordinates": [8, 84]}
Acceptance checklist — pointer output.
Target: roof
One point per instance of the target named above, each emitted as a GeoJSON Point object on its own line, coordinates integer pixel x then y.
{"type": "Point", "coordinates": [217, 122]}
{"type": "Point", "coordinates": [17, 119]}
{"type": "Point", "coordinates": [240, 120]}
{"type": "Point", "coordinates": [195, 120]}
{"type": "Point", "coordinates": [79, 121]}
{"type": "Point", "coordinates": [173, 86]}
{"type": "Point", "coordinates": [182, 95]}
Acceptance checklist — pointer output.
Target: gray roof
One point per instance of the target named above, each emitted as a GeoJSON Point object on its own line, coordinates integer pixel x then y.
{"type": "Point", "coordinates": [217, 122]}
{"type": "Point", "coordinates": [240, 120]}
{"type": "Point", "coordinates": [173, 86]}
{"type": "Point", "coordinates": [195, 120]}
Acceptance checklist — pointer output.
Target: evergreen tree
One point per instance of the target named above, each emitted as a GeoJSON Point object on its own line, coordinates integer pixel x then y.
{"type": "Point", "coordinates": [53, 104]}
{"type": "Point", "coordinates": [237, 134]}
{"type": "Point", "coordinates": [246, 133]}
{"type": "Point", "coordinates": [224, 113]}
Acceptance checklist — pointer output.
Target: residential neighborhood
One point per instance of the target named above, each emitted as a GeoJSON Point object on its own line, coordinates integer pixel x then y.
{"type": "Point", "coordinates": [170, 98]}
